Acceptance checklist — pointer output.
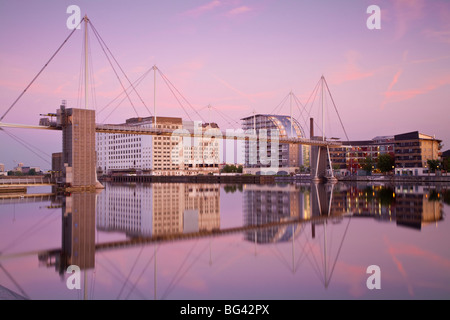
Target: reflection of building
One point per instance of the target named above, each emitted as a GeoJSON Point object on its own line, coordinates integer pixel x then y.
{"type": "Point", "coordinates": [266, 204]}
{"type": "Point", "coordinates": [78, 225]}
{"type": "Point", "coordinates": [159, 208]}
{"type": "Point", "coordinates": [78, 234]}
{"type": "Point", "coordinates": [125, 208]}
{"type": "Point", "coordinates": [181, 208]}
{"type": "Point", "coordinates": [285, 157]}
{"type": "Point", "coordinates": [410, 206]}
{"type": "Point", "coordinates": [417, 206]}
{"type": "Point", "coordinates": [202, 203]}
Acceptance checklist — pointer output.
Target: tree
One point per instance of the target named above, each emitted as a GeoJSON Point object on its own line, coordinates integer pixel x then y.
{"type": "Point", "coordinates": [368, 164]}
{"type": "Point", "coordinates": [232, 168]}
{"type": "Point", "coordinates": [385, 162]}
{"type": "Point", "coordinates": [32, 172]}
{"type": "Point", "coordinates": [446, 164]}
{"type": "Point", "coordinates": [433, 164]}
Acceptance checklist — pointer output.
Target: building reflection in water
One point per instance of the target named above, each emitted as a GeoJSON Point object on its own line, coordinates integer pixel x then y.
{"type": "Point", "coordinates": [159, 208]}
{"type": "Point", "coordinates": [265, 204]}
{"type": "Point", "coordinates": [77, 233]}
{"type": "Point", "coordinates": [271, 214]}
{"type": "Point", "coordinates": [409, 206]}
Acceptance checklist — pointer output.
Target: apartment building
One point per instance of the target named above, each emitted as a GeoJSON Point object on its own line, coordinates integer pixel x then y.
{"type": "Point", "coordinates": [412, 152]}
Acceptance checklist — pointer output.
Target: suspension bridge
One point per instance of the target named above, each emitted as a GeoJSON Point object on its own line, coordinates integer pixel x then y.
{"type": "Point", "coordinates": [319, 145]}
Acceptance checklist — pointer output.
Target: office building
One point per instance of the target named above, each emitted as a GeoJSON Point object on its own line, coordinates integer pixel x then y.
{"type": "Point", "coordinates": [159, 154]}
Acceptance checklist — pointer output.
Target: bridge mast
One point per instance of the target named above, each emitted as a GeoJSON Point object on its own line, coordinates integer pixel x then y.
{"type": "Point", "coordinates": [154, 93]}
{"type": "Point", "coordinates": [290, 109]}
{"type": "Point", "coordinates": [85, 61]}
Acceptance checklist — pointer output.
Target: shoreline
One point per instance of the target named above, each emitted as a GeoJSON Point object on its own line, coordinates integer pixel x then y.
{"type": "Point", "coordinates": [271, 179]}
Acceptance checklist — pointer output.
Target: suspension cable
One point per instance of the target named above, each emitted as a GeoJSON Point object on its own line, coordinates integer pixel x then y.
{"type": "Point", "coordinates": [112, 66]}
{"type": "Point", "coordinates": [173, 93]}
{"type": "Point", "coordinates": [26, 145]}
{"type": "Point", "coordinates": [164, 76]}
{"type": "Point", "coordinates": [39, 73]}
{"type": "Point", "coordinates": [332, 100]}
{"type": "Point", "coordinates": [224, 116]}
{"type": "Point", "coordinates": [135, 83]}
{"type": "Point", "coordinates": [131, 85]}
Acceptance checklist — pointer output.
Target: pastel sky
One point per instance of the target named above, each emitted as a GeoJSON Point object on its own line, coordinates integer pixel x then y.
{"type": "Point", "coordinates": [239, 56]}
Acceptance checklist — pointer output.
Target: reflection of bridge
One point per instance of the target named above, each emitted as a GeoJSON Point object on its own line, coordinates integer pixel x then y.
{"type": "Point", "coordinates": [29, 181]}
{"type": "Point", "coordinates": [316, 207]}
{"type": "Point", "coordinates": [26, 198]}
{"type": "Point", "coordinates": [79, 208]}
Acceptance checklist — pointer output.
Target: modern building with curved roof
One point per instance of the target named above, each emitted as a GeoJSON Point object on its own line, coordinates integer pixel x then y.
{"type": "Point", "coordinates": [271, 157]}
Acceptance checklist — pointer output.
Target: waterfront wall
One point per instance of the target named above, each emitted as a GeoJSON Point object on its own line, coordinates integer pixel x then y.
{"type": "Point", "coordinates": [262, 179]}
{"type": "Point", "coordinates": [399, 179]}
{"type": "Point", "coordinates": [271, 179]}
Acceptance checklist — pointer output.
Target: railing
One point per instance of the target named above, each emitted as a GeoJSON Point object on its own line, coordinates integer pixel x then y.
{"type": "Point", "coordinates": [225, 135]}
{"type": "Point", "coordinates": [14, 181]}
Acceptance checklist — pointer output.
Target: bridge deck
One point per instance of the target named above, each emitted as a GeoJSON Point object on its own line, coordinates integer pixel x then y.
{"type": "Point", "coordinates": [232, 134]}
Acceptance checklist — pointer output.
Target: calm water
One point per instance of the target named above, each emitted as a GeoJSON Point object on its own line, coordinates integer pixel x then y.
{"type": "Point", "coordinates": [209, 241]}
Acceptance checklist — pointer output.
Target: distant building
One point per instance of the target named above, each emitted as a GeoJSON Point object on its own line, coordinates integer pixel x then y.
{"type": "Point", "coordinates": [147, 153]}
{"type": "Point", "coordinates": [201, 155]}
{"type": "Point", "coordinates": [262, 156]}
{"type": "Point", "coordinates": [57, 167]}
{"type": "Point", "coordinates": [159, 154]}
{"type": "Point", "coordinates": [446, 154]}
{"type": "Point", "coordinates": [413, 150]}
{"type": "Point", "coordinates": [2, 167]}
{"type": "Point", "coordinates": [351, 156]}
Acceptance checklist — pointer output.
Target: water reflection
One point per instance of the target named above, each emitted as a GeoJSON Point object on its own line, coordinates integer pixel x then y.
{"type": "Point", "coordinates": [269, 214]}
{"type": "Point", "coordinates": [144, 210]}
{"type": "Point", "coordinates": [146, 213]}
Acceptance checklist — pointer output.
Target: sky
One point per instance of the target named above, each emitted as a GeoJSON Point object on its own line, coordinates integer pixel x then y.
{"type": "Point", "coordinates": [239, 57]}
